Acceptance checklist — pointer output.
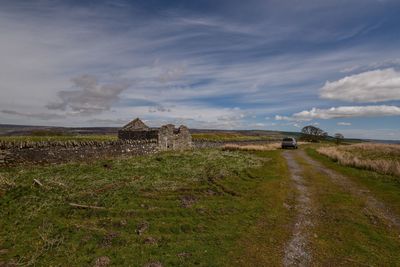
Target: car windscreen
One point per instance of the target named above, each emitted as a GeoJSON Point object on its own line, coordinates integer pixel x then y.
{"type": "Point", "coordinates": [288, 139]}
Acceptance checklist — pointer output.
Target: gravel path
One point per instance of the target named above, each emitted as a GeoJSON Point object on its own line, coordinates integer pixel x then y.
{"type": "Point", "coordinates": [297, 252]}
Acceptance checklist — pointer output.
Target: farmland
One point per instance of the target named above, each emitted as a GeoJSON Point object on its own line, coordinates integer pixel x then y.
{"type": "Point", "coordinates": [230, 206]}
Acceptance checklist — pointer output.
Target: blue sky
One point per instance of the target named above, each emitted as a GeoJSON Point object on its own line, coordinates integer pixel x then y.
{"type": "Point", "coordinates": [274, 65]}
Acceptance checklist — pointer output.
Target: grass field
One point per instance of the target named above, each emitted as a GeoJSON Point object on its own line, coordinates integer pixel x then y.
{"type": "Point", "coordinates": [381, 158]}
{"type": "Point", "coordinates": [231, 137]}
{"type": "Point", "coordinates": [204, 207]}
{"type": "Point", "coordinates": [110, 137]}
{"type": "Point", "coordinates": [234, 206]}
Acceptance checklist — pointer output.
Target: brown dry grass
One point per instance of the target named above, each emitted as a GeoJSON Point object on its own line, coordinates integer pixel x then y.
{"type": "Point", "coordinates": [266, 147]}
{"type": "Point", "coordinates": [381, 158]}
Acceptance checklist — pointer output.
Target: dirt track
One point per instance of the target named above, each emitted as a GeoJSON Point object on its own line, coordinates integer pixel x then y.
{"type": "Point", "coordinates": [374, 206]}
{"type": "Point", "coordinates": [297, 250]}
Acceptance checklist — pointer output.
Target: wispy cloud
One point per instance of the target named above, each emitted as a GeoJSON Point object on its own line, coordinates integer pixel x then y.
{"type": "Point", "coordinates": [341, 123]}
{"type": "Point", "coordinates": [342, 112]}
{"type": "Point", "coordinates": [191, 63]}
{"type": "Point", "coordinates": [41, 116]}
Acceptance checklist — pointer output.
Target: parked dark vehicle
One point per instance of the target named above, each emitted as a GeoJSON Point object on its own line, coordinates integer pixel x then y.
{"type": "Point", "coordinates": [289, 142]}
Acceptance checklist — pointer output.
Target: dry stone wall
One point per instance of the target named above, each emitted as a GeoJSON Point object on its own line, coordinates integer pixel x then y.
{"type": "Point", "coordinates": [16, 153]}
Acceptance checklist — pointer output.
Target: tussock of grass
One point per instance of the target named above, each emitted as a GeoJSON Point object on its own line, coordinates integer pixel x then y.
{"type": "Point", "coordinates": [5, 184]}
{"type": "Point", "coordinates": [381, 158]}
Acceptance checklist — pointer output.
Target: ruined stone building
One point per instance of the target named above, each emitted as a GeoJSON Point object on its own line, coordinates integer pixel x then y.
{"type": "Point", "coordinates": [168, 137]}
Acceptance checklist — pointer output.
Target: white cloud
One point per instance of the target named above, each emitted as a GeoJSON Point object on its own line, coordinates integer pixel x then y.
{"type": "Point", "coordinates": [284, 118]}
{"type": "Point", "coordinates": [297, 125]}
{"type": "Point", "coordinates": [342, 112]}
{"type": "Point", "coordinates": [370, 86]}
{"type": "Point", "coordinates": [344, 123]}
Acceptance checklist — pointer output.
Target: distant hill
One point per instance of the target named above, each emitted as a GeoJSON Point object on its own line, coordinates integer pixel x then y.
{"type": "Point", "coordinates": [13, 130]}
{"type": "Point", "coordinates": [17, 130]}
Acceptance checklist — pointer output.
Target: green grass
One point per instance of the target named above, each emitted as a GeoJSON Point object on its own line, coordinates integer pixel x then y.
{"type": "Point", "coordinates": [198, 206]}
{"type": "Point", "coordinates": [263, 244]}
{"type": "Point", "coordinates": [231, 137]}
{"type": "Point", "coordinates": [345, 233]}
{"type": "Point", "coordinates": [32, 138]}
{"type": "Point", "coordinates": [385, 187]}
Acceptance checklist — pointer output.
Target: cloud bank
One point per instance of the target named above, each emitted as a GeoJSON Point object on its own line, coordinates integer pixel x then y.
{"type": "Point", "coordinates": [370, 86]}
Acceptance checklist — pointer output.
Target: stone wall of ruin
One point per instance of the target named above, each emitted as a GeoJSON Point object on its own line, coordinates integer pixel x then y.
{"type": "Point", "coordinates": [137, 135]}
{"type": "Point", "coordinates": [170, 138]}
{"type": "Point", "coordinates": [17, 153]}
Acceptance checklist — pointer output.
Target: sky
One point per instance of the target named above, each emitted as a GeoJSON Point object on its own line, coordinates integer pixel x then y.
{"type": "Point", "coordinates": [255, 64]}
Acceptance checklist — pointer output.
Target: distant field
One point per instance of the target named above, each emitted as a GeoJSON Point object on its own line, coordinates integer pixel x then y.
{"type": "Point", "coordinates": [110, 137]}
{"type": "Point", "coordinates": [32, 138]}
{"type": "Point", "coordinates": [222, 136]}
{"type": "Point", "coordinates": [381, 158]}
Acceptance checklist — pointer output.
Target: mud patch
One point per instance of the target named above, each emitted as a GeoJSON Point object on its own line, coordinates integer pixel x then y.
{"type": "Point", "coordinates": [102, 261]}
{"type": "Point", "coordinates": [188, 201]}
{"type": "Point", "coordinates": [153, 264]}
{"type": "Point", "coordinates": [108, 239]}
{"type": "Point", "coordinates": [142, 227]}
{"type": "Point", "coordinates": [150, 241]}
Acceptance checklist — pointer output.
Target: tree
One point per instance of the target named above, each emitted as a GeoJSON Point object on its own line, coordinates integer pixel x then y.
{"type": "Point", "coordinates": [339, 137]}
{"type": "Point", "coordinates": [313, 134]}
